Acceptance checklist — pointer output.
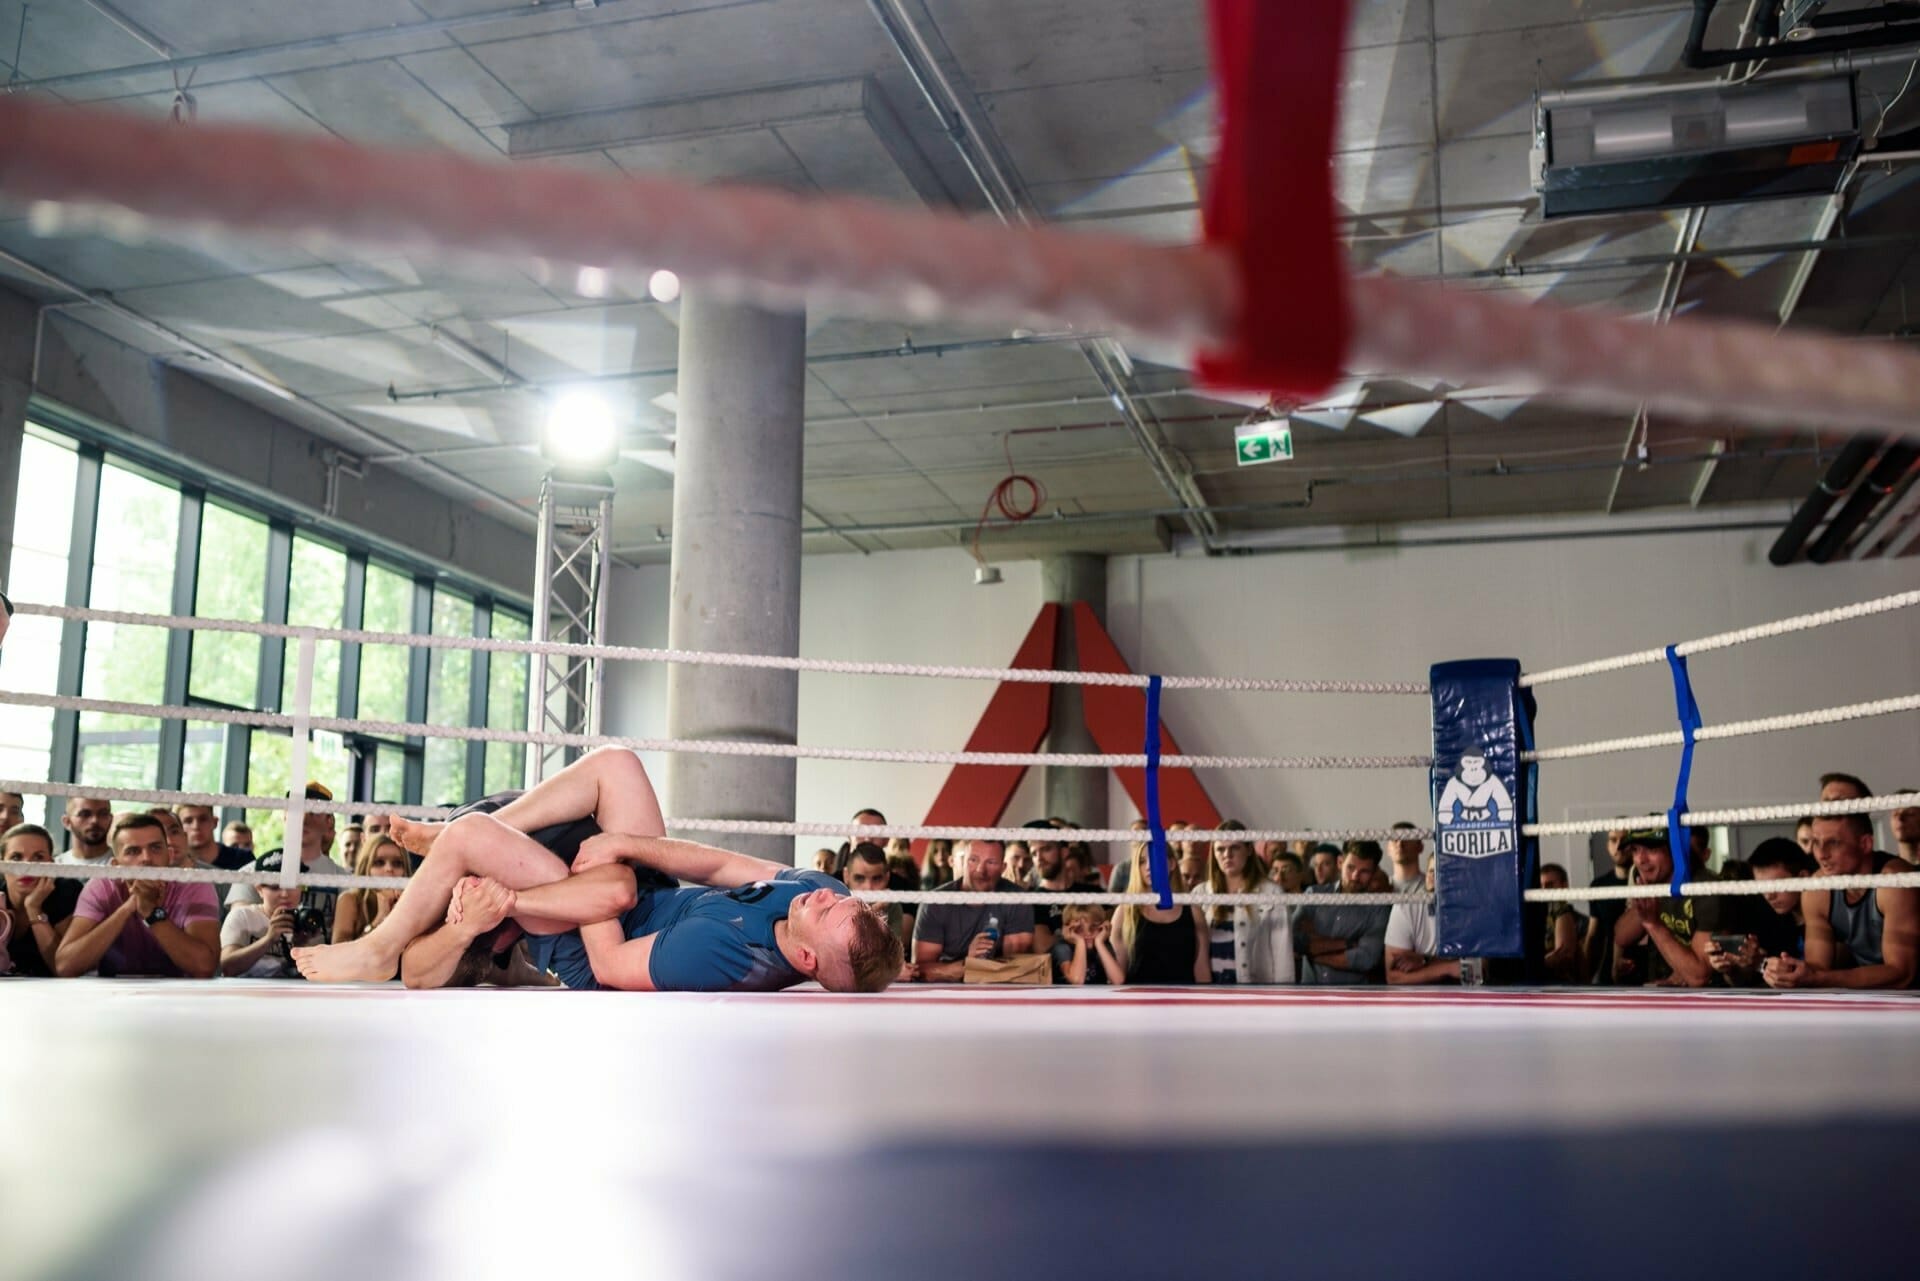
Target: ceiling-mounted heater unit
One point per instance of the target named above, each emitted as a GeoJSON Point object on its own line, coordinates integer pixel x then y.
{"type": "Point", "coordinates": [1706, 146]}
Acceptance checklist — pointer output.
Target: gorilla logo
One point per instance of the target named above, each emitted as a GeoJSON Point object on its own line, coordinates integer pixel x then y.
{"type": "Point", "coordinates": [1475, 796]}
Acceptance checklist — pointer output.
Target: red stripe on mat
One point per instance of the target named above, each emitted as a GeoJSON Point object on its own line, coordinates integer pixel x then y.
{"type": "Point", "coordinates": [1687, 1002]}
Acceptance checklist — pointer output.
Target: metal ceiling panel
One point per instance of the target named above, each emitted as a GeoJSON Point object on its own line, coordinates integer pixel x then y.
{"type": "Point", "coordinates": [1063, 42]}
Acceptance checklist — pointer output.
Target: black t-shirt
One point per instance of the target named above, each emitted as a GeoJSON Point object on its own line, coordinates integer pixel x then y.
{"type": "Point", "coordinates": [1777, 934]}
{"type": "Point", "coordinates": [1607, 913]}
{"type": "Point", "coordinates": [27, 960]}
{"type": "Point", "coordinates": [1096, 972]}
{"type": "Point", "coordinates": [1051, 915]}
{"type": "Point", "coordinates": [232, 858]}
{"type": "Point", "coordinates": [1163, 950]}
{"type": "Point", "coordinates": [563, 839]}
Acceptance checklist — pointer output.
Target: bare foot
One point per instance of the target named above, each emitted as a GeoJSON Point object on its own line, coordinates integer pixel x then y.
{"type": "Point", "coordinates": [354, 962]}
{"type": "Point", "coordinates": [454, 906]}
{"type": "Point", "coordinates": [414, 836]}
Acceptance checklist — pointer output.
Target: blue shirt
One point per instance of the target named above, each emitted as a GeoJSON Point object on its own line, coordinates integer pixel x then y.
{"type": "Point", "coordinates": [707, 940]}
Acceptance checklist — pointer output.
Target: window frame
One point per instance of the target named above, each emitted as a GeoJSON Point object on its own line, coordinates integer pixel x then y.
{"type": "Point", "coordinates": [93, 450]}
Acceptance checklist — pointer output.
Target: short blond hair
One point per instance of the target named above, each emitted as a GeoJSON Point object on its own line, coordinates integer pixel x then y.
{"type": "Point", "coordinates": [1092, 913]}
{"type": "Point", "coordinates": [874, 956]}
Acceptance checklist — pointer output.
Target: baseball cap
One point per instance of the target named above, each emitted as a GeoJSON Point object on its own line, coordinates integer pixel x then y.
{"type": "Point", "coordinates": [269, 861]}
{"type": "Point", "coordinates": [1653, 838]}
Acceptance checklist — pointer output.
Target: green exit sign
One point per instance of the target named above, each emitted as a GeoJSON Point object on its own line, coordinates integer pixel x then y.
{"type": "Point", "coordinates": [1262, 443]}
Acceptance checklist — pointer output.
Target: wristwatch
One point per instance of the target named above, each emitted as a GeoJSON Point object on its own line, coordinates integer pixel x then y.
{"type": "Point", "coordinates": [41, 919]}
{"type": "Point", "coordinates": [156, 916]}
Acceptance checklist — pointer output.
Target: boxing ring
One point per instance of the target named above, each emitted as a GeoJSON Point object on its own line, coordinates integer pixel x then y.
{"type": "Point", "coordinates": [497, 1132]}
{"type": "Point", "coordinates": [227, 1129]}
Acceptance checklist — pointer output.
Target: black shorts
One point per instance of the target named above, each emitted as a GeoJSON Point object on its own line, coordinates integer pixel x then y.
{"type": "Point", "coordinates": [563, 840]}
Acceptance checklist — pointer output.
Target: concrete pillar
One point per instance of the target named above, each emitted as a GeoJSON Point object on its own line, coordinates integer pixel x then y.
{"type": "Point", "coordinates": [1077, 795]}
{"type": "Point", "coordinates": [736, 559]}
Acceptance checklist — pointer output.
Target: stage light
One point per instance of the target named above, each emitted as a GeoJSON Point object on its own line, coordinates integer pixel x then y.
{"type": "Point", "coordinates": [580, 432]}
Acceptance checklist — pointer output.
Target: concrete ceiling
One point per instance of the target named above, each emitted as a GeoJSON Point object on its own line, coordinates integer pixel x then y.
{"type": "Point", "coordinates": [1101, 110]}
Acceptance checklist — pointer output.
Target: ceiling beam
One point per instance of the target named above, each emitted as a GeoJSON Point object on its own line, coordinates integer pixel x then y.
{"type": "Point", "coordinates": [521, 12]}
{"type": "Point", "coordinates": [859, 100]}
{"type": "Point", "coordinates": [1012, 203]}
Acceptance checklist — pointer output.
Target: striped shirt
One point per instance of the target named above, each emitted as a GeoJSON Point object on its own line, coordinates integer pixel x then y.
{"type": "Point", "coordinates": [1220, 954]}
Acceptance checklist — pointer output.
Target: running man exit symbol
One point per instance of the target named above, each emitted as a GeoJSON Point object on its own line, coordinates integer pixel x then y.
{"type": "Point", "coordinates": [1268, 442]}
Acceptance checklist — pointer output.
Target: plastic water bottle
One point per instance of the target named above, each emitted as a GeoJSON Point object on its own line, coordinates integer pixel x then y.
{"type": "Point", "coordinates": [993, 932]}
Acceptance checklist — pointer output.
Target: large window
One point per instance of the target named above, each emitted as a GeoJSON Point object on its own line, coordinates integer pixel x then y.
{"type": "Point", "coordinates": [42, 533]}
{"type": "Point", "coordinates": [449, 697]}
{"type": "Point", "coordinates": [134, 547]}
{"type": "Point", "coordinates": [507, 705]}
{"type": "Point", "coordinates": [383, 668]}
{"type": "Point", "coordinates": [109, 532]}
{"type": "Point", "coordinates": [316, 597]}
{"type": "Point", "coordinates": [232, 583]}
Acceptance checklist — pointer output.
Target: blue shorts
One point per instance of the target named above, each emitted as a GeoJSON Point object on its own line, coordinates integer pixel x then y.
{"type": "Point", "coordinates": [566, 956]}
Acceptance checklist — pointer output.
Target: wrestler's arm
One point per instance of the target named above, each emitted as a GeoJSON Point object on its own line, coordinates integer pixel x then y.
{"type": "Point", "coordinates": [1899, 944]}
{"type": "Point", "coordinates": [597, 894]}
{"type": "Point", "coordinates": [618, 962]}
{"type": "Point", "coordinates": [430, 960]}
{"type": "Point", "coordinates": [682, 860]}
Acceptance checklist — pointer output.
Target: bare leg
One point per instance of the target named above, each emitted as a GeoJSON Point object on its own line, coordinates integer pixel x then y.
{"type": "Point", "coordinates": [608, 785]}
{"type": "Point", "coordinates": [473, 845]}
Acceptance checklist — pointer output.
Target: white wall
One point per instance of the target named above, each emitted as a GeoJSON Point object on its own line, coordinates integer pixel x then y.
{"type": "Point", "coordinates": [900, 607]}
{"type": "Point", "coordinates": [1379, 614]}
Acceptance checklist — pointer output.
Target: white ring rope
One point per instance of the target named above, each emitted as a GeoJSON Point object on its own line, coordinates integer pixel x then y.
{"type": "Point", "coordinates": [710, 747]}
{"type": "Point", "coordinates": [751, 827]}
{"type": "Point", "coordinates": [1094, 760]}
{"type": "Point", "coordinates": [202, 875]}
{"type": "Point", "coordinates": [1725, 640]}
{"type": "Point", "coordinates": [1102, 898]}
{"type": "Point", "coordinates": [1029, 675]}
{"type": "Point", "coordinates": [1065, 898]}
{"type": "Point", "coordinates": [406, 729]}
{"type": "Point", "coordinates": [1723, 889]}
{"type": "Point", "coordinates": [1720, 818]}
{"type": "Point", "coordinates": [1733, 729]}
{"type": "Point", "coordinates": [754, 827]}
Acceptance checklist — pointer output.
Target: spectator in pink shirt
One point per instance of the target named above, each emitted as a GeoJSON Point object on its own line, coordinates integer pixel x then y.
{"type": "Point", "coordinates": [165, 929]}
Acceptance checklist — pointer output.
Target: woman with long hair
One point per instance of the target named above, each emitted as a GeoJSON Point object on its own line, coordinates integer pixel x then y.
{"type": "Point", "coordinates": [936, 868]}
{"type": "Point", "coordinates": [361, 910]}
{"type": "Point", "coordinates": [1155, 944]}
{"type": "Point", "coordinates": [37, 910]}
{"type": "Point", "coordinates": [1248, 944]}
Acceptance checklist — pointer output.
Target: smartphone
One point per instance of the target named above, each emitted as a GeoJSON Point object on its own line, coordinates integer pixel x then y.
{"type": "Point", "coordinates": [1730, 942]}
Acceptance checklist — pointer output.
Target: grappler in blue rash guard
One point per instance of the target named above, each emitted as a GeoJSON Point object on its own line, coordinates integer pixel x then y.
{"type": "Point", "coordinates": [750, 926]}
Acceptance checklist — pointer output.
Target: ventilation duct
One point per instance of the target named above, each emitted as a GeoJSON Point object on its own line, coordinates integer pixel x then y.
{"type": "Point", "coordinates": [1884, 479]}
{"type": "Point", "coordinates": [1841, 474]}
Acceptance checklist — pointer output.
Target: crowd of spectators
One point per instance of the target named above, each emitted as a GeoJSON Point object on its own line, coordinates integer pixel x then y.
{"type": "Point", "coordinates": [55, 927]}
{"type": "Point", "coordinates": [1865, 938]}
{"type": "Point", "coordinates": [1839, 938]}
